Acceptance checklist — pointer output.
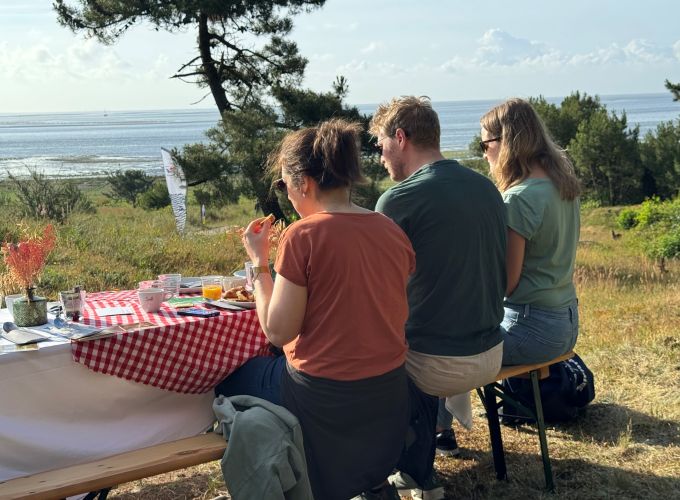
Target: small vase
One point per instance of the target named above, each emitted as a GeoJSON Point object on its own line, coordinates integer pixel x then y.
{"type": "Point", "coordinates": [30, 310]}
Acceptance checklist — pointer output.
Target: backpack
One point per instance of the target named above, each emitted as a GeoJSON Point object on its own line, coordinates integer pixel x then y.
{"type": "Point", "coordinates": [567, 389]}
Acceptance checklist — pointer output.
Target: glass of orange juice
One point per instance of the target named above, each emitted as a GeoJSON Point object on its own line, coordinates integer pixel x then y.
{"type": "Point", "coordinates": [211, 287]}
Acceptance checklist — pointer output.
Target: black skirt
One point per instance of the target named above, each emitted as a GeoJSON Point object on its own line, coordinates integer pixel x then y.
{"type": "Point", "coordinates": [354, 431]}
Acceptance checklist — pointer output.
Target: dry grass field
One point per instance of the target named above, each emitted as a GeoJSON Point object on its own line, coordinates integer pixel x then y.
{"type": "Point", "coordinates": [626, 445]}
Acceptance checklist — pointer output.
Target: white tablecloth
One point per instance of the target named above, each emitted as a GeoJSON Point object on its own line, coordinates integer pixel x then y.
{"type": "Point", "coordinates": [55, 412]}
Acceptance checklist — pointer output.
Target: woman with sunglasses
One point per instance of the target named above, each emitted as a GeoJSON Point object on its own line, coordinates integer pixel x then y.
{"type": "Point", "coordinates": [338, 309]}
{"type": "Point", "coordinates": [540, 191]}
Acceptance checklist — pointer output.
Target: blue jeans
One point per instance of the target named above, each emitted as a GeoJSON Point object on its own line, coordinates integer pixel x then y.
{"type": "Point", "coordinates": [536, 334]}
{"type": "Point", "coordinates": [259, 377]}
{"type": "Point", "coordinates": [531, 335]}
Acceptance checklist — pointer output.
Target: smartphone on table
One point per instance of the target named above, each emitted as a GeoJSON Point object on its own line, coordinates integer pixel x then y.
{"type": "Point", "coordinates": [196, 311]}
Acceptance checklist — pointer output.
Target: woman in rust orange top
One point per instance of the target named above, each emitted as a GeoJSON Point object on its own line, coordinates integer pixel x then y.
{"type": "Point", "coordinates": [338, 309]}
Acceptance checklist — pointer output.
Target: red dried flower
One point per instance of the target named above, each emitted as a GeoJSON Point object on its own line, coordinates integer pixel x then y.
{"type": "Point", "coordinates": [26, 260]}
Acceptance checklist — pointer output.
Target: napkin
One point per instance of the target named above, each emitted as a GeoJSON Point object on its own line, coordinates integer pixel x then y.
{"type": "Point", "coordinates": [22, 337]}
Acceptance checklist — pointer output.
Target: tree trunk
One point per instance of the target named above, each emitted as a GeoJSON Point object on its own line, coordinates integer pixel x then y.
{"type": "Point", "coordinates": [208, 64]}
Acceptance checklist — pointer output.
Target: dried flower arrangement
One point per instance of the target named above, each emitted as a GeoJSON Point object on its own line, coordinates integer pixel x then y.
{"type": "Point", "coordinates": [26, 259]}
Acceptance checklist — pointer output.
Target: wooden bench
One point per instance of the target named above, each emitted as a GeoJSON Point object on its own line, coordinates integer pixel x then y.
{"type": "Point", "coordinates": [494, 390]}
{"type": "Point", "coordinates": [101, 475]}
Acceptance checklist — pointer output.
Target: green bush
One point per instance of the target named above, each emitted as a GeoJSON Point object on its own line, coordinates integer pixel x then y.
{"type": "Point", "coordinates": [155, 198]}
{"type": "Point", "coordinates": [128, 185]}
{"type": "Point", "coordinates": [40, 198]}
{"type": "Point", "coordinates": [657, 228]}
{"type": "Point", "coordinates": [627, 218]}
{"type": "Point", "coordinates": [665, 246]}
{"type": "Point", "coordinates": [651, 211]}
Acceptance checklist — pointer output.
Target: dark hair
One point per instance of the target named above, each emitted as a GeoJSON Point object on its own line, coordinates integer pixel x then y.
{"type": "Point", "coordinates": [328, 153]}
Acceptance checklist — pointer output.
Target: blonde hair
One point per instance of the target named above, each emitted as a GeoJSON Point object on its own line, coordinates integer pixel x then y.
{"type": "Point", "coordinates": [525, 141]}
{"type": "Point", "coordinates": [414, 115]}
{"type": "Point", "coordinates": [328, 153]}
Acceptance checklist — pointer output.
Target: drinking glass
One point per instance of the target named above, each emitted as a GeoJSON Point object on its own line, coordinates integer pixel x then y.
{"type": "Point", "coordinates": [71, 304]}
{"type": "Point", "coordinates": [211, 287]}
{"type": "Point", "coordinates": [150, 284]}
{"type": "Point", "coordinates": [170, 283]}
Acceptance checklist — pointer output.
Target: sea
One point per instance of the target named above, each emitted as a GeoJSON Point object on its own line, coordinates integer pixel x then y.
{"type": "Point", "coordinates": [62, 145]}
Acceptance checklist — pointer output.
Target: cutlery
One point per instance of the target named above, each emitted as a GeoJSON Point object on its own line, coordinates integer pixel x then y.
{"type": "Point", "coordinates": [195, 284]}
{"type": "Point", "coordinates": [223, 305]}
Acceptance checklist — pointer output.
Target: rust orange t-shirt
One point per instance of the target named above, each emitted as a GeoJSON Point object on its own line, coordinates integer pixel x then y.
{"type": "Point", "coordinates": [355, 267]}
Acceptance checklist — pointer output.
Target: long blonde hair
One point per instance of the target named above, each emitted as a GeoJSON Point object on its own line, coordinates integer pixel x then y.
{"type": "Point", "coordinates": [525, 141]}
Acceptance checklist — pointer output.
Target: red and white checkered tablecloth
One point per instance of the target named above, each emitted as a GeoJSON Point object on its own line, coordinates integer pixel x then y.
{"type": "Point", "coordinates": [183, 354]}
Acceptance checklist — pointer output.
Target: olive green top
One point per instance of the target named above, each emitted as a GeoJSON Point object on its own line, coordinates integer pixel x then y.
{"type": "Point", "coordinates": [551, 227]}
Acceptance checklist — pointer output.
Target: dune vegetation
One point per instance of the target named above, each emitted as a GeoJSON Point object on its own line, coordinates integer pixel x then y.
{"type": "Point", "coordinates": [626, 444]}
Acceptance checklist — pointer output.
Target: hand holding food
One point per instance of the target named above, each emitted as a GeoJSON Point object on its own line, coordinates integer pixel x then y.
{"type": "Point", "coordinates": [276, 228]}
{"type": "Point", "coordinates": [262, 221]}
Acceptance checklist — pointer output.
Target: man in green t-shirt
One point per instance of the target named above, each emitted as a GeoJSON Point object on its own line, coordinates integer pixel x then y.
{"type": "Point", "coordinates": [456, 221]}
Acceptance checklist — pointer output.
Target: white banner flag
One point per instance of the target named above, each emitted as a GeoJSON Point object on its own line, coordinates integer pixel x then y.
{"type": "Point", "coordinates": [177, 188]}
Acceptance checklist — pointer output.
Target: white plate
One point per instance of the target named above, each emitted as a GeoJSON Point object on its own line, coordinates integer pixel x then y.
{"type": "Point", "coordinates": [244, 305]}
{"type": "Point", "coordinates": [190, 281]}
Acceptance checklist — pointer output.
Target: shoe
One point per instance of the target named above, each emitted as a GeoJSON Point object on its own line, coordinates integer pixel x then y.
{"type": "Point", "coordinates": [446, 444]}
{"type": "Point", "coordinates": [386, 492]}
{"type": "Point", "coordinates": [431, 489]}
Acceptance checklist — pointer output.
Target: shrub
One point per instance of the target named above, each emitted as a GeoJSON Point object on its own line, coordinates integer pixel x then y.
{"type": "Point", "coordinates": [155, 198]}
{"type": "Point", "coordinates": [657, 229]}
{"type": "Point", "coordinates": [128, 185]}
{"type": "Point", "coordinates": [651, 211]}
{"type": "Point", "coordinates": [627, 218]}
{"type": "Point", "coordinates": [38, 197]}
{"type": "Point", "coordinates": [665, 246]}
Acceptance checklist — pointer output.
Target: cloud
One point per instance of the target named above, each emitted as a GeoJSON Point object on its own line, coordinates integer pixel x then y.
{"type": "Point", "coordinates": [352, 66]}
{"type": "Point", "coordinates": [499, 49]}
{"type": "Point", "coordinates": [328, 27]}
{"type": "Point", "coordinates": [86, 60]}
{"type": "Point", "coordinates": [372, 47]}
{"type": "Point", "coordinates": [322, 57]}
{"type": "Point", "coordinates": [637, 51]}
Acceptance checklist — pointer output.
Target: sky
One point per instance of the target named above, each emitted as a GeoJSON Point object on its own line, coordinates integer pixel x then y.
{"type": "Point", "coordinates": [445, 49]}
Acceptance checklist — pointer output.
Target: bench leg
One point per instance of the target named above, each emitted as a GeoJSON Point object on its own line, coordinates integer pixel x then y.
{"type": "Point", "coordinates": [100, 494]}
{"type": "Point", "coordinates": [547, 469]}
{"type": "Point", "coordinates": [491, 407]}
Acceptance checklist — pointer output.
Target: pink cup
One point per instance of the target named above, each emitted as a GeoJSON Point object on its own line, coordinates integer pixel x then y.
{"type": "Point", "coordinates": [149, 284]}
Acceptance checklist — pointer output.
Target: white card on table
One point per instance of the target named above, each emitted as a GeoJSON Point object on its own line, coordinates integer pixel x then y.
{"type": "Point", "coordinates": [113, 311]}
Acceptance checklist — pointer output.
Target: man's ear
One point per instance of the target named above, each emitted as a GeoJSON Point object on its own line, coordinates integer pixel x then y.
{"type": "Point", "coordinates": [400, 136]}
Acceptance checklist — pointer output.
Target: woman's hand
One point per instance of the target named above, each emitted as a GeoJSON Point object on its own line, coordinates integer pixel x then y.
{"type": "Point", "coordinates": [256, 240]}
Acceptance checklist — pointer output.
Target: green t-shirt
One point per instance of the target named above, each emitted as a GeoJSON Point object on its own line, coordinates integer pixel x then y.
{"type": "Point", "coordinates": [551, 227]}
{"type": "Point", "coordinates": [456, 222]}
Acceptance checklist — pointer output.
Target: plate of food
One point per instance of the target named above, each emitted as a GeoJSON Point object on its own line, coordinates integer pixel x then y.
{"type": "Point", "coordinates": [239, 296]}
{"type": "Point", "coordinates": [190, 285]}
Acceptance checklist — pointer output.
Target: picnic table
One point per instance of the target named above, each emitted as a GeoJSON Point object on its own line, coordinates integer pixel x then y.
{"type": "Point", "coordinates": [72, 402]}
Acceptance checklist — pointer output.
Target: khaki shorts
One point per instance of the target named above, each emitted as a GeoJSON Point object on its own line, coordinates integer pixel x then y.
{"type": "Point", "coordinates": [450, 375]}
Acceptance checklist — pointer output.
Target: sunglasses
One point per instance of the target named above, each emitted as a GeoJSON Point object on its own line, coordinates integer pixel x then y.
{"type": "Point", "coordinates": [378, 148]}
{"type": "Point", "coordinates": [485, 144]}
{"type": "Point", "coordinates": [280, 185]}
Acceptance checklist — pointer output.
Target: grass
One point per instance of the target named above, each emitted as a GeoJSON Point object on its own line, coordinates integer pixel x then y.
{"type": "Point", "coordinates": [625, 445]}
